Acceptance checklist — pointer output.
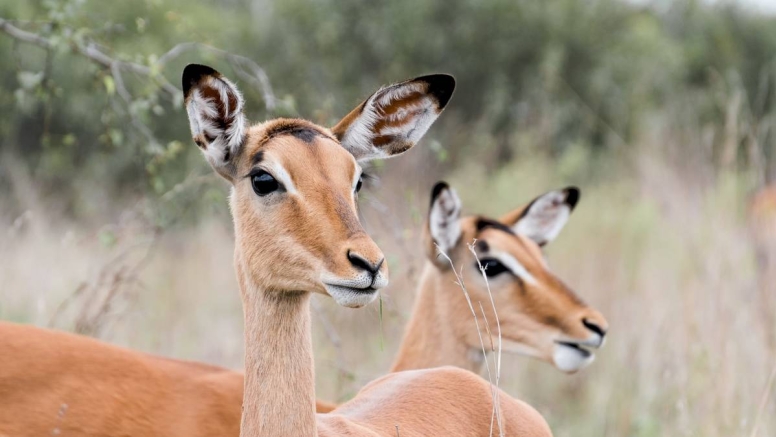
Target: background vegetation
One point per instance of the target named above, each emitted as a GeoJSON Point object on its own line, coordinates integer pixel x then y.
{"type": "Point", "coordinates": [663, 114]}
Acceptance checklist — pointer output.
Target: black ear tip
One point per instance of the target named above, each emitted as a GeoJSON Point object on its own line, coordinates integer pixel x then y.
{"type": "Point", "coordinates": [440, 86]}
{"type": "Point", "coordinates": [192, 74]}
{"type": "Point", "coordinates": [572, 196]}
{"type": "Point", "coordinates": [437, 190]}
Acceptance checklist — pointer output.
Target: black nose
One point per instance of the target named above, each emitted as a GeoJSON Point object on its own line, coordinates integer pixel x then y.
{"type": "Point", "coordinates": [593, 327]}
{"type": "Point", "coordinates": [361, 263]}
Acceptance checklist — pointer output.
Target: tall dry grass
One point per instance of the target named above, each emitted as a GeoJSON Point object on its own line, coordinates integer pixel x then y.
{"type": "Point", "coordinates": [659, 244]}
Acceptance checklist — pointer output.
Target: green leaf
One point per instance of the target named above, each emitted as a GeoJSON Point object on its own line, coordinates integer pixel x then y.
{"type": "Point", "coordinates": [29, 80]}
{"type": "Point", "coordinates": [110, 85]}
{"type": "Point", "coordinates": [68, 140]}
{"type": "Point", "coordinates": [107, 238]}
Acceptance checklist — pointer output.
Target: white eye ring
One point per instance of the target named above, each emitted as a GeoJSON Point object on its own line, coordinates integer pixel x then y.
{"type": "Point", "coordinates": [514, 266]}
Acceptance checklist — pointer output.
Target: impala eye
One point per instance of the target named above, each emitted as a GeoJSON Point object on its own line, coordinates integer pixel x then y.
{"type": "Point", "coordinates": [493, 267]}
{"type": "Point", "coordinates": [359, 183]}
{"type": "Point", "coordinates": [264, 183]}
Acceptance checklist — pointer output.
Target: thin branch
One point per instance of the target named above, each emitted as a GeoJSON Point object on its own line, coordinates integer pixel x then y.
{"type": "Point", "coordinates": [245, 68]}
{"type": "Point", "coordinates": [23, 35]}
{"type": "Point", "coordinates": [92, 52]}
{"type": "Point", "coordinates": [121, 89]}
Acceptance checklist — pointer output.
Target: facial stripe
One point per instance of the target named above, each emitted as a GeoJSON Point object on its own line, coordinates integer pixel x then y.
{"type": "Point", "coordinates": [281, 175]}
{"type": "Point", "coordinates": [514, 266]}
{"type": "Point", "coordinates": [485, 223]}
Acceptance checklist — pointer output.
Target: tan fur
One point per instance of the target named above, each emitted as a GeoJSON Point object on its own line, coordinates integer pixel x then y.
{"type": "Point", "coordinates": [53, 383]}
{"type": "Point", "coordinates": [439, 333]}
{"type": "Point", "coordinates": [97, 389]}
{"type": "Point", "coordinates": [286, 248]}
{"type": "Point", "coordinates": [442, 330]}
{"type": "Point", "coordinates": [281, 252]}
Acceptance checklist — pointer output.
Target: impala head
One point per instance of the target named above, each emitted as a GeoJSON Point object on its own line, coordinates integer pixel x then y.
{"type": "Point", "coordinates": [539, 315]}
{"type": "Point", "coordinates": [295, 184]}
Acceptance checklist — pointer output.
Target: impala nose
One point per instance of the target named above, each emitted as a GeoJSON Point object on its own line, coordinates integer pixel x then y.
{"type": "Point", "coordinates": [360, 262]}
{"type": "Point", "coordinates": [597, 327]}
{"type": "Point", "coordinates": [591, 325]}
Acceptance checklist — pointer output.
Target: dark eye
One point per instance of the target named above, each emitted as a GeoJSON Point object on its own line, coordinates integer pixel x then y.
{"type": "Point", "coordinates": [359, 183]}
{"type": "Point", "coordinates": [263, 183]}
{"type": "Point", "coordinates": [493, 267]}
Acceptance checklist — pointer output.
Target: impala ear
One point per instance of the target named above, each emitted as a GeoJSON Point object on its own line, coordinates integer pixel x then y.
{"type": "Point", "coordinates": [215, 110]}
{"type": "Point", "coordinates": [543, 218]}
{"type": "Point", "coordinates": [394, 118]}
{"type": "Point", "coordinates": [443, 228]}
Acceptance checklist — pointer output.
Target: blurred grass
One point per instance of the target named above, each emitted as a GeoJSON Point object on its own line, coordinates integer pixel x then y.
{"type": "Point", "coordinates": [672, 268]}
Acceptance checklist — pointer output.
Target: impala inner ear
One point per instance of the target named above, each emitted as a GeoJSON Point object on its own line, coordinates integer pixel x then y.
{"type": "Point", "coordinates": [215, 110]}
{"type": "Point", "coordinates": [444, 218]}
{"type": "Point", "coordinates": [395, 118]}
{"type": "Point", "coordinates": [544, 218]}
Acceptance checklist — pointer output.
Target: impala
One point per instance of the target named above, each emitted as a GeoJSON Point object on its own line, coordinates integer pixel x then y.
{"type": "Point", "coordinates": [538, 314]}
{"type": "Point", "coordinates": [294, 187]}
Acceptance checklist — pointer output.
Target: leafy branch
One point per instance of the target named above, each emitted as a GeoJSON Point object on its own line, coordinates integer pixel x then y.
{"type": "Point", "coordinates": [245, 68]}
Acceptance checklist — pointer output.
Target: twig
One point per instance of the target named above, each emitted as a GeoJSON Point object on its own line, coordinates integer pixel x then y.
{"type": "Point", "coordinates": [487, 326]}
{"type": "Point", "coordinates": [121, 89]}
{"type": "Point", "coordinates": [498, 327]}
{"type": "Point", "coordinates": [244, 67]}
{"type": "Point", "coordinates": [493, 389]}
{"type": "Point", "coordinates": [92, 52]}
{"type": "Point", "coordinates": [23, 35]}
{"type": "Point", "coordinates": [763, 402]}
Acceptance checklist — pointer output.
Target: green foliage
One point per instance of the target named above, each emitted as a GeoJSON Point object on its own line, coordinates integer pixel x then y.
{"type": "Point", "coordinates": [532, 75]}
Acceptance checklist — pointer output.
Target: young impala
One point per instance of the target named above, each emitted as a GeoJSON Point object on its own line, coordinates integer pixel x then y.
{"type": "Point", "coordinates": [293, 200]}
{"type": "Point", "coordinates": [294, 188]}
{"type": "Point", "coordinates": [538, 314]}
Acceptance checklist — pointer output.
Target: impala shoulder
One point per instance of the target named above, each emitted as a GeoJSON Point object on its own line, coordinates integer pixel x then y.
{"type": "Point", "coordinates": [519, 418]}
{"type": "Point", "coordinates": [456, 376]}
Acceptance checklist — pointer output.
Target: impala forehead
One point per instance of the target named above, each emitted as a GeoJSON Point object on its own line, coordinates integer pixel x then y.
{"type": "Point", "coordinates": [306, 163]}
{"type": "Point", "coordinates": [496, 240]}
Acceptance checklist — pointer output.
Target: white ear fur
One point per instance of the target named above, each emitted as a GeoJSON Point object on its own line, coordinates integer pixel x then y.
{"type": "Point", "coordinates": [544, 218]}
{"type": "Point", "coordinates": [444, 219]}
{"type": "Point", "coordinates": [215, 110]}
{"type": "Point", "coordinates": [395, 118]}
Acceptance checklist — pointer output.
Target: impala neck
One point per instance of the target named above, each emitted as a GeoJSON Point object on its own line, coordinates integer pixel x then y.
{"type": "Point", "coordinates": [279, 397]}
{"type": "Point", "coordinates": [430, 338]}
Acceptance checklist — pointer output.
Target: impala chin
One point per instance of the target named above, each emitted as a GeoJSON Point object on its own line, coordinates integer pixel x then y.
{"type": "Point", "coordinates": [356, 292]}
{"type": "Point", "coordinates": [570, 357]}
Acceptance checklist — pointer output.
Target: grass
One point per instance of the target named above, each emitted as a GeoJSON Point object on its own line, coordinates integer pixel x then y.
{"type": "Point", "coordinates": [664, 253]}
